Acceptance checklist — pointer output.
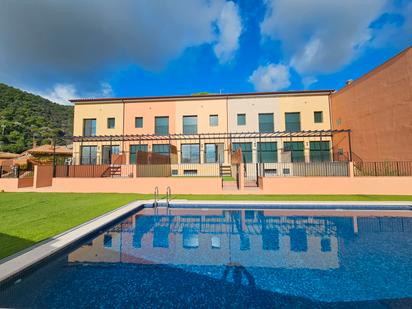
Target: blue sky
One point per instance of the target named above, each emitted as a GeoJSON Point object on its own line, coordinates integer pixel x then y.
{"type": "Point", "coordinates": [120, 48]}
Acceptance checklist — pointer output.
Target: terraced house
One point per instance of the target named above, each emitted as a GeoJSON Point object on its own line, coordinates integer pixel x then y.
{"type": "Point", "coordinates": [198, 135]}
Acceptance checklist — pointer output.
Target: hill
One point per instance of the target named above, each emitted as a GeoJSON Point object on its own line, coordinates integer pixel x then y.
{"type": "Point", "coordinates": [24, 116]}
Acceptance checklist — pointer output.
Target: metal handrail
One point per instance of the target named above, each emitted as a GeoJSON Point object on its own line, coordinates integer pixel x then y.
{"type": "Point", "coordinates": [156, 197]}
{"type": "Point", "coordinates": [168, 196]}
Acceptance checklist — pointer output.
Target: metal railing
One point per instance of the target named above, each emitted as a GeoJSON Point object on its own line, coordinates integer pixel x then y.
{"type": "Point", "coordinates": [178, 170]}
{"type": "Point", "coordinates": [301, 169]}
{"type": "Point", "coordinates": [389, 168]}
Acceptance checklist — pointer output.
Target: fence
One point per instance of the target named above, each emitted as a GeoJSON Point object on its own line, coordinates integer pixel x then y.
{"type": "Point", "coordinates": [300, 169]}
{"type": "Point", "coordinates": [392, 168]}
{"type": "Point", "coordinates": [139, 170]}
{"type": "Point", "coordinates": [14, 171]}
{"type": "Point", "coordinates": [103, 170]}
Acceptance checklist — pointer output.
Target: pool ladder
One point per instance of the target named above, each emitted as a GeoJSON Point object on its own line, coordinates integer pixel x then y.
{"type": "Point", "coordinates": [156, 197]}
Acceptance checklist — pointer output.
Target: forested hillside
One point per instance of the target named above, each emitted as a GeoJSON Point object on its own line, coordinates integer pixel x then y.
{"type": "Point", "coordinates": [24, 115]}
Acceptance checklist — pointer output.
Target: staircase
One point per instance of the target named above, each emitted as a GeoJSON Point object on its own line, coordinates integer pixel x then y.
{"type": "Point", "coordinates": [113, 171]}
{"type": "Point", "coordinates": [225, 170]}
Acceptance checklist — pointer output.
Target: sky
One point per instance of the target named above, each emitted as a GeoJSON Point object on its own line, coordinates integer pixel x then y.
{"type": "Point", "coordinates": [127, 48]}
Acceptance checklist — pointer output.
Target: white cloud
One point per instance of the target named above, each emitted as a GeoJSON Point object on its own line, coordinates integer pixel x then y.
{"type": "Point", "coordinates": [272, 77]}
{"type": "Point", "coordinates": [80, 37]}
{"type": "Point", "coordinates": [320, 36]}
{"type": "Point", "coordinates": [395, 34]}
{"type": "Point", "coordinates": [62, 93]}
{"type": "Point", "coordinates": [230, 28]}
{"type": "Point", "coordinates": [309, 81]}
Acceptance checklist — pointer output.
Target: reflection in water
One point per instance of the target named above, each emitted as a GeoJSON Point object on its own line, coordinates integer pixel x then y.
{"type": "Point", "coordinates": [230, 258]}
{"type": "Point", "coordinates": [251, 238]}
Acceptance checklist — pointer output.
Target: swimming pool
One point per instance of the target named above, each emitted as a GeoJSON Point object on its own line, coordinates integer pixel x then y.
{"type": "Point", "coordinates": [242, 258]}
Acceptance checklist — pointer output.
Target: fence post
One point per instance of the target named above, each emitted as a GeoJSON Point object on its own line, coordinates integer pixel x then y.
{"type": "Point", "coordinates": [351, 171]}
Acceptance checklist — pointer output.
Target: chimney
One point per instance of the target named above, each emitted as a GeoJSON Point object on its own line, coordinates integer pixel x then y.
{"type": "Point", "coordinates": [34, 142]}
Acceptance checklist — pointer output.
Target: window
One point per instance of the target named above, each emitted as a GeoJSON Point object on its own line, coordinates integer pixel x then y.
{"type": "Point", "coordinates": [108, 151]}
{"type": "Point", "coordinates": [241, 119]}
{"type": "Point", "coordinates": [190, 153]}
{"type": "Point", "coordinates": [138, 122]}
{"type": "Point", "coordinates": [162, 149]}
{"type": "Point", "coordinates": [133, 152]}
{"type": "Point", "coordinates": [214, 153]}
{"type": "Point", "coordinates": [325, 245]}
{"type": "Point", "coordinates": [111, 123]}
{"type": "Point", "coordinates": [213, 120]}
{"type": "Point", "coordinates": [320, 151]}
{"type": "Point", "coordinates": [270, 239]}
{"type": "Point", "coordinates": [266, 123]}
{"type": "Point", "coordinates": [318, 117]}
{"type": "Point", "coordinates": [246, 151]}
{"type": "Point", "coordinates": [292, 122]}
{"type": "Point", "coordinates": [189, 124]}
{"type": "Point", "coordinates": [296, 149]}
{"type": "Point", "coordinates": [107, 241]}
{"type": "Point", "coordinates": [89, 127]}
{"type": "Point", "coordinates": [298, 240]}
{"type": "Point", "coordinates": [162, 126]}
{"type": "Point", "coordinates": [267, 152]}
{"type": "Point", "coordinates": [161, 237]}
{"type": "Point", "coordinates": [88, 155]}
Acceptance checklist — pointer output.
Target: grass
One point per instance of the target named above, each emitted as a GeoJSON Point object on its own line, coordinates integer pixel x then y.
{"type": "Point", "coordinates": [27, 218]}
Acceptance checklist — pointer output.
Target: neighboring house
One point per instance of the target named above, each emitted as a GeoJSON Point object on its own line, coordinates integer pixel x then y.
{"type": "Point", "coordinates": [7, 156]}
{"type": "Point", "coordinates": [377, 107]}
{"type": "Point", "coordinates": [268, 127]}
{"type": "Point", "coordinates": [44, 154]}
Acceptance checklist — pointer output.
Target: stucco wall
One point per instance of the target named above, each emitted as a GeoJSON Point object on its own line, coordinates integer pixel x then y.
{"type": "Point", "coordinates": [337, 185]}
{"type": "Point", "coordinates": [100, 112]}
{"type": "Point", "coordinates": [378, 109]}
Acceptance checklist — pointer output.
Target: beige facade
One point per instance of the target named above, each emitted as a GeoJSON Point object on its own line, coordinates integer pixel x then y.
{"type": "Point", "coordinates": [211, 115]}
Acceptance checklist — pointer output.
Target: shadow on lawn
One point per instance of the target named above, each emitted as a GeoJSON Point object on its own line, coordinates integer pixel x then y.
{"type": "Point", "coordinates": [12, 244]}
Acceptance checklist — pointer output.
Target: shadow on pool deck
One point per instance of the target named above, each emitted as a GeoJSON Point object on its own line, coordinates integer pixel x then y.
{"type": "Point", "coordinates": [11, 244]}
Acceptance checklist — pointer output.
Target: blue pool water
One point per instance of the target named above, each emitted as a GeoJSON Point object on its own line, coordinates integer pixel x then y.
{"type": "Point", "coordinates": [213, 258]}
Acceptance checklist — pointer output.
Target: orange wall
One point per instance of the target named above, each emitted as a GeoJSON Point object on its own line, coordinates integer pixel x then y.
{"type": "Point", "coordinates": [148, 110]}
{"type": "Point", "coordinates": [378, 109]}
{"type": "Point", "coordinates": [192, 185]}
{"type": "Point", "coordinates": [338, 185]}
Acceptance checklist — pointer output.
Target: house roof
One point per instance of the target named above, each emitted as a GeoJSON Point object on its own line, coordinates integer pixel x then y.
{"type": "Point", "coordinates": [8, 155]}
{"type": "Point", "coordinates": [49, 149]}
{"type": "Point", "coordinates": [206, 96]}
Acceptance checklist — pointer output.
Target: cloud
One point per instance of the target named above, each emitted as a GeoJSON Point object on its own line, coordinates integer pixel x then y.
{"type": "Point", "coordinates": [74, 41]}
{"type": "Point", "coordinates": [62, 93]}
{"type": "Point", "coordinates": [309, 81]}
{"type": "Point", "coordinates": [272, 77]}
{"type": "Point", "coordinates": [320, 36]}
{"type": "Point", "coordinates": [230, 28]}
{"type": "Point", "coordinates": [394, 33]}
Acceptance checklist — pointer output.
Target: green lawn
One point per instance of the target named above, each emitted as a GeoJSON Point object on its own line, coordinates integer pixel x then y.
{"type": "Point", "coordinates": [27, 218]}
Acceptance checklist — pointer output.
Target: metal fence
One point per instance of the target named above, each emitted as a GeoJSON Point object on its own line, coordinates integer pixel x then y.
{"type": "Point", "coordinates": [390, 168]}
{"type": "Point", "coordinates": [102, 170]}
{"type": "Point", "coordinates": [301, 169]}
{"type": "Point", "coordinates": [139, 170]}
{"type": "Point", "coordinates": [16, 171]}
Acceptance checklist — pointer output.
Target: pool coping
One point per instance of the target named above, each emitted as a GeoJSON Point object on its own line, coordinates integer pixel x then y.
{"type": "Point", "coordinates": [17, 263]}
{"type": "Point", "coordinates": [22, 260]}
